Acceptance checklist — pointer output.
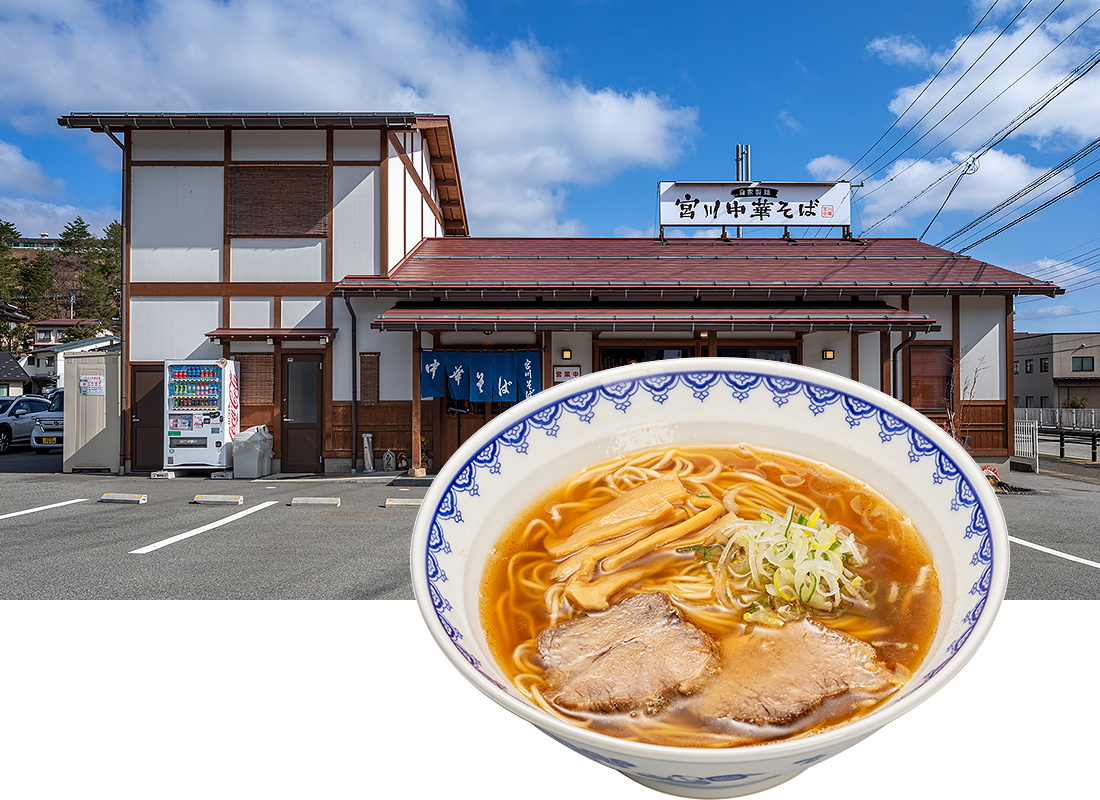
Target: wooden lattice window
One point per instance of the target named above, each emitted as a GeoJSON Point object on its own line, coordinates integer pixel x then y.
{"type": "Point", "coordinates": [283, 200]}
{"type": "Point", "coordinates": [368, 379]}
{"type": "Point", "coordinates": [257, 378]}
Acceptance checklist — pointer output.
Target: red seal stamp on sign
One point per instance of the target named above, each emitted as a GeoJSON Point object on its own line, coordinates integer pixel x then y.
{"type": "Point", "coordinates": [827, 212]}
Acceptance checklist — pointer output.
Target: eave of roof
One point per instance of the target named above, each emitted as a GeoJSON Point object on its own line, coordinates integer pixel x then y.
{"type": "Point", "coordinates": [456, 268]}
{"type": "Point", "coordinates": [537, 317]}
{"type": "Point", "coordinates": [116, 121]}
{"type": "Point", "coordinates": [281, 334]}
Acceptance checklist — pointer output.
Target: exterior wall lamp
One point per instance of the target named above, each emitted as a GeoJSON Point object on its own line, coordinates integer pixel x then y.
{"type": "Point", "coordinates": [566, 354]}
{"type": "Point", "coordinates": [827, 355]}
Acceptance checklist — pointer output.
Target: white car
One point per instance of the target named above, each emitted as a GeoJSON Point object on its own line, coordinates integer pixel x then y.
{"type": "Point", "coordinates": [17, 416]}
{"type": "Point", "coordinates": [48, 432]}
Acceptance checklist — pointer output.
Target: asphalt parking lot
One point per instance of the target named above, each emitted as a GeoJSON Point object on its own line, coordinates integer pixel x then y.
{"type": "Point", "coordinates": [59, 540]}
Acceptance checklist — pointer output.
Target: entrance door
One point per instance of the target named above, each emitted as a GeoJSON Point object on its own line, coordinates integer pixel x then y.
{"type": "Point", "coordinates": [301, 431]}
{"type": "Point", "coordinates": [146, 417]}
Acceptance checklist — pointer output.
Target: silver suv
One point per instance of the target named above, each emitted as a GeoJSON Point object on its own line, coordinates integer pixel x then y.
{"type": "Point", "coordinates": [49, 426]}
{"type": "Point", "coordinates": [17, 415]}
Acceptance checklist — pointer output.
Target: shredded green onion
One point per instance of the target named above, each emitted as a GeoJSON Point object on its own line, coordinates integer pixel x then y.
{"type": "Point", "coordinates": [783, 566]}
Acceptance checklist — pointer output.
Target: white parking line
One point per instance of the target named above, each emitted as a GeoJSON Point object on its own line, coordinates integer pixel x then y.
{"type": "Point", "coordinates": [180, 536]}
{"type": "Point", "coordinates": [43, 508]}
{"type": "Point", "coordinates": [1066, 556]}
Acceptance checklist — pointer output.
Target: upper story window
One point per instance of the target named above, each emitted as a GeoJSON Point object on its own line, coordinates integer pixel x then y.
{"type": "Point", "coordinates": [1082, 364]}
{"type": "Point", "coordinates": [44, 336]}
{"type": "Point", "coordinates": [1015, 367]}
{"type": "Point", "coordinates": [1029, 366]}
{"type": "Point", "coordinates": [1044, 365]}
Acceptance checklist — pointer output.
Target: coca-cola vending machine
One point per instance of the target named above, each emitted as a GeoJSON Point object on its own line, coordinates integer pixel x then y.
{"type": "Point", "coordinates": [202, 413]}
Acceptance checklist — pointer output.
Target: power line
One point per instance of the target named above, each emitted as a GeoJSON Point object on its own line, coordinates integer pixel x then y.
{"type": "Point", "coordinates": [920, 94]}
{"type": "Point", "coordinates": [1073, 159]}
{"type": "Point", "coordinates": [958, 80]}
{"type": "Point", "coordinates": [1033, 211]}
{"type": "Point", "coordinates": [1072, 77]}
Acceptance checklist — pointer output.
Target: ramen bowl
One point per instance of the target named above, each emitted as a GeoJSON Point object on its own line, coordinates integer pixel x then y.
{"type": "Point", "coordinates": [534, 446]}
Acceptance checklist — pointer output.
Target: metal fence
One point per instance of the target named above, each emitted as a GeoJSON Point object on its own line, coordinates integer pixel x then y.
{"type": "Point", "coordinates": [1027, 441]}
{"type": "Point", "coordinates": [1074, 419]}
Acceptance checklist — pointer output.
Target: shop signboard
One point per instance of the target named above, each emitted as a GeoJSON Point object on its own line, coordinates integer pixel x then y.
{"type": "Point", "coordinates": [754, 203]}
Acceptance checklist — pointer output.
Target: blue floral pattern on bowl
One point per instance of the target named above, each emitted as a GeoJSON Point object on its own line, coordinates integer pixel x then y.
{"type": "Point", "coordinates": [606, 404]}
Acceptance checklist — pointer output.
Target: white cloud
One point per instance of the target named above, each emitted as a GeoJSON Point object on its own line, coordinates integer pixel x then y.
{"type": "Point", "coordinates": [828, 168]}
{"type": "Point", "coordinates": [523, 132]}
{"type": "Point", "coordinates": [626, 232]}
{"type": "Point", "coordinates": [901, 50]}
{"type": "Point", "coordinates": [1046, 312]}
{"type": "Point", "coordinates": [999, 175]}
{"type": "Point", "coordinates": [18, 173]}
{"type": "Point", "coordinates": [990, 94]}
{"type": "Point", "coordinates": [33, 217]}
{"type": "Point", "coordinates": [792, 123]}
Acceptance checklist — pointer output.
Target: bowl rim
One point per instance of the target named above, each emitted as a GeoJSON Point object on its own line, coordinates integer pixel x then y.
{"type": "Point", "coordinates": [829, 740]}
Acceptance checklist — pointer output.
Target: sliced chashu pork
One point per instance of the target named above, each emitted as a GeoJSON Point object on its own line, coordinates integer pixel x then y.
{"type": "Point", "coordinates": [639, 651]}
{"type": "Point", "coordinates": [773, 676]}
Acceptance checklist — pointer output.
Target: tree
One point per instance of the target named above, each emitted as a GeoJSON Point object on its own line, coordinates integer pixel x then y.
{"type": "Point", "coordinates": [102, 272]}
{"type": "Point", "coordinates": [8, 282]}
{"type": "Point", "coordinates": [36, 281]}
{"type": "Point", "coordinates": [76, 239]}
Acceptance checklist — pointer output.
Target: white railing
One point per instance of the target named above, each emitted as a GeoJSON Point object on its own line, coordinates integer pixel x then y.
{"type": "Point", "coordinates": [1076, 419]}
{"type": "Point", "coordinates": [1026, 439]}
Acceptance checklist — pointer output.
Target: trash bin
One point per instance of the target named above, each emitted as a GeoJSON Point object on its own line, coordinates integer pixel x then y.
{"type": "Point", "coordinates": [252, 452]}
{"type": "Point", "coordinates": [368, 452]}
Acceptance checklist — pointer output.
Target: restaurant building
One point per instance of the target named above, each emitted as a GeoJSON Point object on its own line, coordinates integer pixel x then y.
{"type": "Point", "coordinates": [339, 244]}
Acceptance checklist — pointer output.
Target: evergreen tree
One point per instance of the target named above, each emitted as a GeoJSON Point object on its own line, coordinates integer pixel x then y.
{"type": "Point", "coordinates": [102, 273]}
{"type": "Point", "coordinates": [8, 261]}
{"type": "Point", "coordinates": [76, 239]}
{"type": "Point", "coordinates": [36, 281]}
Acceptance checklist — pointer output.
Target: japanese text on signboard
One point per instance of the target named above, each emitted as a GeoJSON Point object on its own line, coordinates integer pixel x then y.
{"type": "Point", "coordinates": [744, 204]}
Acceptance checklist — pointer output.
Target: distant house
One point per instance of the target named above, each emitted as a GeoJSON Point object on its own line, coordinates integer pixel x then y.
{"type": "Point", "coordinates": [13, 377]}
{"type": "Point", "coordinates": [50, 331]}
{"type": "Point", "coordinates": [1053, 369]}
{"type": "Point", "coordinates": [45, 366]}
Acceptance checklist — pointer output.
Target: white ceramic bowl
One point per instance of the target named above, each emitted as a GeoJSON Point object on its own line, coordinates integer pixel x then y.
{"type": "Point", "coordinates": [540, 442]}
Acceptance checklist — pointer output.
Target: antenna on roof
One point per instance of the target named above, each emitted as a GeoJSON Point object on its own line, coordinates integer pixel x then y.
{"type": "Point", "coordinates": [743, 170]}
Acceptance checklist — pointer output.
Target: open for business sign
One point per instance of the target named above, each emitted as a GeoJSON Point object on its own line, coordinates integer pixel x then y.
{"type": "Point", "coordinates": [754, 203]}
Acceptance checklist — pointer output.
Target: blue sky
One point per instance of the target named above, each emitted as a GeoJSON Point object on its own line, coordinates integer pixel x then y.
{"type": "Point", "coordinates": [567, 114]}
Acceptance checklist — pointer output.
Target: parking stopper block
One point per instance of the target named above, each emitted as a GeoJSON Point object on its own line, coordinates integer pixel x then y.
{"type": "Point", "coordinates": [113, 497]}
{"type": "Point", "coordinates": [219, 499]}
{"type": "Point", "coordinates": [315, 501]}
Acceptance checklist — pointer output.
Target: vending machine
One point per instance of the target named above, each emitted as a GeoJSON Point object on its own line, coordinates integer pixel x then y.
{"type": "Point", "coordinates": [202, 413]}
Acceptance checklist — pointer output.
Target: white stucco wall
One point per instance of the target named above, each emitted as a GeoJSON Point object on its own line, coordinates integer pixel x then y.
{"type": "Point", "coordinates": [870, 361]}
{"type": "Point", "coordinates": [356, 145]}
{"type": "Point", "coordinates": [939, 308]}
{"type": "Point", "coordinates": [308, 145]}
{"type": "Point", "coordinates": [814, 344]}
{"type": "Point", "coordinates": [356, 245]}
{"type": "Point", "coordinates": [251, 312]}
{"type": "Point", "coordinates": [303, 312]}
{"type": "Point", "coordinates": [277, 260]}
{"type": "Point", "coordinates": [177, 145]}
{"type": "Point", "coordinates": [982, 341]}
{"type": "Point", "coordinates": [173, 327]}
{"type": "Point", "coordinates": [394, 351]}
{"type": "Point", "coordinates": [176, 224]}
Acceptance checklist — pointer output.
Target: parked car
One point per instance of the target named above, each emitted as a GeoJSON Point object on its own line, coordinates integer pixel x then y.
{"type": "Point", "coordinates": [49, 426]}
{"type": "Point", "coordinates": [17, 415]}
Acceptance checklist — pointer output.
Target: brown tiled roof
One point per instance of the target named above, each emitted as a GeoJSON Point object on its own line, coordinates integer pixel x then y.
{"type": "Point", "coordinates": [606, 317]}
{"type": "Point", "coordinates": [719, 269]}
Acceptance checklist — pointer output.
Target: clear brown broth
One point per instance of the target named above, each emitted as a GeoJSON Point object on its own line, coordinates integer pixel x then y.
{"type": "Point", "coordinates": [513, 607]}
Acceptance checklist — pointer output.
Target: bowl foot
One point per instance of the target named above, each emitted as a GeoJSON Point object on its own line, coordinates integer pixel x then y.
{"type": "Point", "coordinates": [705, 790]}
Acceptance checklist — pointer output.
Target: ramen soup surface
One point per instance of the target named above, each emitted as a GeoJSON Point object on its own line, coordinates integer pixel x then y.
{"type": "Point", "coordinates": [699, 525]}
